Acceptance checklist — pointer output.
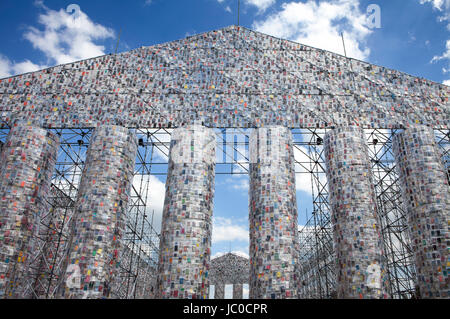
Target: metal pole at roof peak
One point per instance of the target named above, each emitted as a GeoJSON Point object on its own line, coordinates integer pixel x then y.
{"type": "Point", "coordinates": [239, 10]}
{"type": "Point", "coordinates": [343, 43]}
{"type": "Point", "coordinates": [118, 40]}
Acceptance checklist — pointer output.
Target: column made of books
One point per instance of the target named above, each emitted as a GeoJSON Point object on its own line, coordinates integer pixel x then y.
{"type": "Point", "coordinates": [361, 261]}
{"type": "Point", "coordinates": [100, 214]}
{"type": "Point", "coordinates": [273, 214]}
{"type": "Point", "coordinates": [426, 196]}
{"type": "Point", "coordinates": [185, 246]}
{"type": "Point", "coordinates": [26, 167]}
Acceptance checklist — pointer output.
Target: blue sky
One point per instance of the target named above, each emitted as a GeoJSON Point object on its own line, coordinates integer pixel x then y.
{"type": "Point", "coordinates": [412, 33]}
{"type": "Point", "coordinates": [414, 37]}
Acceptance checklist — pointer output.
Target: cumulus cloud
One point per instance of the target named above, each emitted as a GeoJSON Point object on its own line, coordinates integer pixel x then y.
{"type": "Point", "coordinates": [9, 68]}
{"type": "Point", "coordinates": [446, 57]}
{"type": "Point", "coordinates": [5, 67]}
{"type": "Point", "coordinates": [66, 39]}
{"type": "Point", "coordinates": [262, 5]}
{"type": "Point", "coordinates": [62, 38]}
{"type": "Point", "coordinates": [225, 229]}
{"type": "Point", "coordinates": [319, 24]}
{"type": "Point", "coordinates": [443, 7]}
{"type": "Point", "coordinates": [303, 164]}
{"type": "Point", "coordinates": [155, 199]}
{"type": "Point", "coordinates": [438, 4]}
{"type": "Point", "coordinates": [302, 179]}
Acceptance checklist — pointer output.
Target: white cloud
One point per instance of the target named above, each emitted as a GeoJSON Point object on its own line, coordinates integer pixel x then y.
{"type": "Point", "coordinates": [63, 39]}
{"type": "Point", "coordinates": [443, 6]}
{"type": "Point", "coordinates": [445, 55]}
{"type": "Point", "coordinates": [238, 182]}
{"type": "Point", "coordinates": [319, 24]}
{"type": "Point", "coordinates": [26, 66]}
{"type": "Point", "coordinates": [412, 37]}
{"type": "Point", "coordinates": [245, 291]}
{"type": "Point", "coordinates": [224, 229]}
{"type": "Point", "coordinates": [155, 199]}
{"type": "Point", "coordinates": [66, 39]}
{"type": "Point", "coordinates": [446, 82]}
{"type": "Point", "coordinates": [9, 68]}
{"type": "Point", "coordinates": [303, 180]}
{"type": "Point", "coordinates": [438, 4]}
{"type": "Point", "coordinates": [227, 8]}
{"type": "Point", "coordinates": [262, 5]}
{"type": "Point", "coordinates": [5, 67]}
{"type": "Point", "coordinates": [148, 2]}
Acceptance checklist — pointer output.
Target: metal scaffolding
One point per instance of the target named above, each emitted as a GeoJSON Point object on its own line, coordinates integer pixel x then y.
{"type": "Point", "coordinates": [316, 262]}
{"type": "Point", "coordinates": [139, 258]}
{"type": "Point", "coordinates": [316, 268]}
{"type": "Point", "coordinates": [317, 275]}
{"type": "Point", "coordinates": [234, 78]}
{"type": "Point", "coordinates": [400, 265]}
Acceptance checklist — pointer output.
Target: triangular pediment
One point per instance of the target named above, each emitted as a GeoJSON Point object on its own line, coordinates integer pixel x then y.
{"type": "Point", "coordinates": [232, 77]}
